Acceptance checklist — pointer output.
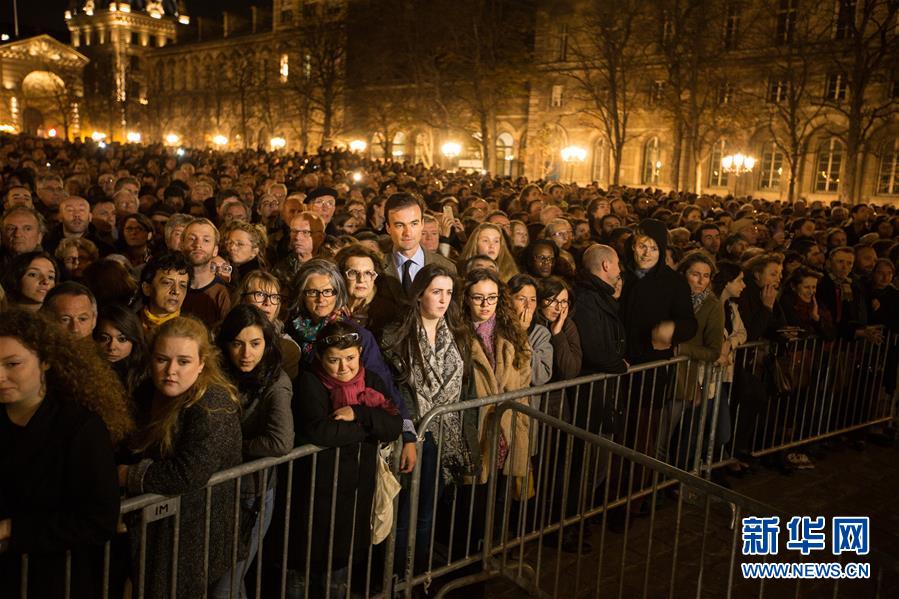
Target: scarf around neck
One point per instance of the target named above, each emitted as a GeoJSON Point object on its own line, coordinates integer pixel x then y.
{"type": "Point", "coordinates": [485, 331]}
{"type": "Point", "coordinates": [698, 298]}
{"type": "Point", "coordinates": [305, 330]}
{"type": "Point", "coordinates": [352, 392]}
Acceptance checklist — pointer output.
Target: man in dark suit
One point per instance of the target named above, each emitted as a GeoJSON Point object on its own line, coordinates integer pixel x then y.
{"type": "Point", "coordinates": [405, 216]}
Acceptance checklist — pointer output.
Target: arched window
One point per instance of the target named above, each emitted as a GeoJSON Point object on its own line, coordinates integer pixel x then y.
{"type": "Point", "coordinates": [771, 168]}
{"type": "Point", "coordinates": [717, 176]}
{"type": "Point", "coordinates": [888, 179]}
{"type": "Point", "coordinates": [399, 145]}
{"type": "Point", "coordinates": [652, 163]}
{"type": "Point", "coordinates": [829, 160]}
{"type": "Point", "coordinates": [504, 154]}
{"type": "Point", "coordinates": [598, 170]}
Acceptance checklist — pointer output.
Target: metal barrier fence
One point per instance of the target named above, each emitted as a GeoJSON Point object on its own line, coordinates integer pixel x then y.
{"type": "Point", "coordinates": [606, 453]}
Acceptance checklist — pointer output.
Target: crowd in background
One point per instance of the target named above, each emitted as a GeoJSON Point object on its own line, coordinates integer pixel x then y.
{"type": "Point", "coordinates": [167, 315]}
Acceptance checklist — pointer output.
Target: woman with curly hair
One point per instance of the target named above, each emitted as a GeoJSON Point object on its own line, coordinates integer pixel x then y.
{"type": "Point", "coordinates": [188, 429]}
{"type": "Point", "coordinates": [244, 245]}
{"type": "Point", "coordinates": [501, 362]}
{"type": "Point", "coordinates": [60, 419]}
{"type": "Point", "coordinates": [489, 240]}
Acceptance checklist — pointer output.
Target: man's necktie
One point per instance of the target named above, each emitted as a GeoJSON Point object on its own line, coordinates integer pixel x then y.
{"type": "Point", "coordinates": [407, 276]}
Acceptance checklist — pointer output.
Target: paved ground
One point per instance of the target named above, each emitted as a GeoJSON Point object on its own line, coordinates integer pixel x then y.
{"type": "Point", "coordinates": [845, 482]}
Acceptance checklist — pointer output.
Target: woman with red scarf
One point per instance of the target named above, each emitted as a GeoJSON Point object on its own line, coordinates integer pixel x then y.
{"type": "Point", "coordinates": [338, 404]}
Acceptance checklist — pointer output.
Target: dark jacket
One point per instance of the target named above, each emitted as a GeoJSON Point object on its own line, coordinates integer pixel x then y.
{"type": "Point", "coordinates": [207, 440]}
{"type": "Point", "coordinates": [567, 354]}
{"type": "Point", "coordinates": [55, 235]}
{"type": "Point", "coordinates": [385, 307]}
{"type": "Point", "coordinates": [354, 455]}
{"type": "Point", "coordinates": [761, 322]}
{"type": "Point", "coordinates": [599, 326]}
{"type": "Point", "coordinates": [848, 315]}
{"type": "Point", "coordinates": [659, 295]}
{"type": "Point", "coordinates": [60, 489]}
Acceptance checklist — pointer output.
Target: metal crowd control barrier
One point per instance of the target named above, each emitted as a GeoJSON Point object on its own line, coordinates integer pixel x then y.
{"type": "Point", "coordinates": [603, 452]}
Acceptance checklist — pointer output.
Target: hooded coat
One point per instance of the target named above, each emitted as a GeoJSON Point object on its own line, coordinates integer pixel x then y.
{"type": "Point", "coordinates": [659, 295]}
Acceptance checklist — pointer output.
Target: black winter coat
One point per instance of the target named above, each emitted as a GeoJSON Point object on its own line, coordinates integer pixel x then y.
{"type": "Point", "coordinates": [602, 334]}
{"type": "Point", "coordinates": [357, 443]}
{"type": "Point", "coordinates": [60, 489]}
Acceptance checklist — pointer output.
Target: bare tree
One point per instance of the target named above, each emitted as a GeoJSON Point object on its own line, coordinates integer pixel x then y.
{"type": "Point", "coordinates": [608, 57]}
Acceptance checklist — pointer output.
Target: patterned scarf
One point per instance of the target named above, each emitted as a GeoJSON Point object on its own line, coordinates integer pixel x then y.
{"type": "Point", "coordinates": [305, 329]}
{"type": "Point", "coordinates": [352, 392]}
{"type": "Point", "coordinates": [484, 331]}
{"type": "Point", "coordinates": [698, 298]}
{"type": "Point", "coordinates": [437, 381]}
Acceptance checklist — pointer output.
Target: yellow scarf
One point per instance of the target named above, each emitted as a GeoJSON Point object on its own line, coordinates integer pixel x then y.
{"type": "Point", "coordinates": [155, 321]}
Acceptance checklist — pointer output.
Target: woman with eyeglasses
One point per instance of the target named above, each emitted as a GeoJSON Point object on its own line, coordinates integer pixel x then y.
{"type": "Point", "coordinates": [263, 290]}
{"type": "Point", "coordinates": [541, 259]}
{"type": "Point", "coordinates": [249, 343]}
{"type": "Point", "coordinates": [555, 301]}
{"type": "Point", "coordinates": [322, 300]}
{"type": "Point", "coordinates": [244, 245]}
{"type": "Point", "coordinates": [501, 362]}
{"type": "Point", "coordinates": [489, 239]}
{"type": "Point", "coordinates": [135, 235]}
{"type": "Point", "coordinates": [524, 298]}
{"type": "Point", "coordinates": [429, 350]}
{"type": "Point", "coordinates": [340, 404]}
{"type": "Point", "coordinates": [373, 299]}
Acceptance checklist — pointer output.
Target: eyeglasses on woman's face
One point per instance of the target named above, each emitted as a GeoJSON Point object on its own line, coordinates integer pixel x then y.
{"type": "Point", "coordinates": [329, 292]}
{"type": "Point", "coordinates": [544, 258]}
{"type": "Point", "coordinates": [225, 269]}
{"type": "Point", "coordinates": [484, 300]}
{"type": "Point", "coordinates": [556, 302]}
{"type": "Point", "coordinates": [361, 275]}
{"type": "Point", "coordinates": [260, 297]}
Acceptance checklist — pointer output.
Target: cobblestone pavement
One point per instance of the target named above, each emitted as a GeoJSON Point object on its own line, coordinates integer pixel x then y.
{"type": "Point", "coordinates": [845, 482]}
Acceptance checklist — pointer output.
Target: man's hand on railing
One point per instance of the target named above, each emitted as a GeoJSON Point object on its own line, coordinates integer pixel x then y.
{"type": "Point", "coordinates": [872, 334]}
{"type": "Point", "coordinates": [408, 458]}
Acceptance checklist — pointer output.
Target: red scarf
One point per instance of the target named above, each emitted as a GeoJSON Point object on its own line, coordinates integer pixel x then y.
{"type": "Point", "coordinates": [352, 392]}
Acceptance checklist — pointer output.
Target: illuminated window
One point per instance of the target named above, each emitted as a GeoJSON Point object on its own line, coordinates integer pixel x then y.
{"type": "Point", "coordinates": [830, 157]}
{"type": "Point", "coordinates": [772, 167]}
{"type": "Point", "coordinates": [284, 68]}
{"type": "Point", "coordinates": [651, 162]}
{"type": "Point", "coordinates": [888, 181]}
{"type": "Point", "coordinates": [717, 176]}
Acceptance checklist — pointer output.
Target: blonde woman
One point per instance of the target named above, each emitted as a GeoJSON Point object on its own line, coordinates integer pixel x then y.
{"type": "Point", "coordinates": [244, 245]}
{"type": "Point", "coordinates": [188, 429]}
{"type": "Point", "coordinates": [488, 240]}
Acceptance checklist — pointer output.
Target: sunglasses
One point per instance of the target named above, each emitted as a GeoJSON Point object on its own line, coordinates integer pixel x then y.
{"type": "Point", "coordinates": [348, 338]}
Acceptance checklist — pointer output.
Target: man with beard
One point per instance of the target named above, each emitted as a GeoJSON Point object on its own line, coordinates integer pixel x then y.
{"type": "Point", "coordinates": [208, 298]}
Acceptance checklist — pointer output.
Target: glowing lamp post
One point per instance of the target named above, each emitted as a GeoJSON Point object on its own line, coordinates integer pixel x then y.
{"type": "Point", "coordinates": [737, 164]}
{"type": "Point", "coordinates": [450, 150]}
{"type": "Point", "coordinates": [133, 137]}
{"type": "Point", "coordinates": [572, 155]}
{"type": "Point", "coordinates": [358, 146]}
{"type": "Point", "coordinates": [277, 143]}
{"type": "Point", "coordinates": [220, 140]}
{"type": "Point", "coordinates": [172, 139]}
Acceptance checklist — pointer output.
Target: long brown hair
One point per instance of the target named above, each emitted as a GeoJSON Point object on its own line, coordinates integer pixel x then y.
{"type": "Point", "coordinates": [76, 371]}
{"type": "Point", "coordinates": [505, 262]}
{"type": "Point", "coordinates": [159, 433]}
{"type": "Point", "coordinates": [507, 324]}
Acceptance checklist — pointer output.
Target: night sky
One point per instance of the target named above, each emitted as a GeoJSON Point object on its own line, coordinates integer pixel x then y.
{"type": "Point", "coordinates": [46, 16]}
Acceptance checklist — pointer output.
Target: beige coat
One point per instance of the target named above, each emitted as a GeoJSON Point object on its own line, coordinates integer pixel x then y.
{"type": "Point", "coordinates": [514, 425]}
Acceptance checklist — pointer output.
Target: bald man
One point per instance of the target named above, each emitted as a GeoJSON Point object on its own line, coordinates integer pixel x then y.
{"type": "Point", "coordinates": [597, 318]}
{"type": "Point", "coordinates": [74, 220]}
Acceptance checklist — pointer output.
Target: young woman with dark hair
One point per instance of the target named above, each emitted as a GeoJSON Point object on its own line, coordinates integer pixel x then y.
{"type": "Point", "coordinates": [120, 338]}
{"type": "Point", "coordinates": [250, 346]}
{"type": "Point", "coordinates": [555, 303]}
{"type": "Point", "coordinates": [341, 405]}
{"type": "Point", "coordinates": [523, 289]}
{"type": "Point", "coordinates": [29, 278]}
{"type": "Point", "coordinates": [429, 350]}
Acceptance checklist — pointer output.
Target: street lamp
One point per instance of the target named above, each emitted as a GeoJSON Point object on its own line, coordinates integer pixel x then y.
{"type": "Point", "coordinates": [277, 143]}
{"type": "Point", "coordinates": [572, 155]}
{"type": "Point", "coordinates": [357, 145]}
{"type": "Point", "coordinates": [133, 137]}
{"type": "Point", "coordinates": [220, 140]}
{"type": "Point", "coordinates": [98, 136]}
{"type": "Point", "coordinates": [737, 164]}
{"type": "Point", "coordinates": [172, 139]}
{"type": "Point", "coordinates": [451, 149]}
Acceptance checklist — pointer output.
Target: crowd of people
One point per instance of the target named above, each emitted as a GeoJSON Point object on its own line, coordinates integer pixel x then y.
{"type": "Point", "coordinates": [166, 316]}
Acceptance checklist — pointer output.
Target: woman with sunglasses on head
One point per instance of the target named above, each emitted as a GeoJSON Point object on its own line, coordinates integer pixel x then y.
{"type": "Point", "coordinates": [249, 344]}
{"type": "Point", "coordinates": [429, 351]}
{"type": "Point", "coordinates": [322, 300]}
{"type": "Point", "coordinates": [373, 299]}
{"type": "Point", "coordinates": [263, 290]}
{"type": "Point", "coordinates": [340, 404]}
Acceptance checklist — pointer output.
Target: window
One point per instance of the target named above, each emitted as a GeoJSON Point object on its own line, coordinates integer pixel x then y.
{"type": "Point", "coordinates": [284, 67]}
{"type": "Point", "coordinates": [561, 53]}
{"type": "Point", "coordinates": [786, 22]}
{"type": "Point", "coordinates": [845, 19]}
{"type": "Point", "coordinates": [667, 29]}
{"type": "Point", "coordinates": [717, 176]}
{"type": "Point", "coordinates": [835, 87]}
{"type": "Point", "coordinates": [399, 145]}
{"type": "Point", "coordinates": [504, 155]}
{"type": "Point", "coordinates": [772, 167]}
{"type": "Point", "coordinates": [830, 156]}
{"type": "Point", "coordinates": [286, 16]}
{"type": "Point", "coordinates": [725, 93]}
{"type": "Point", "coordinates": [656, 92]}
{"type": "Point", "coordinates": [731, 25]}
{"type": "Point", "coordinates": [307, 66]}
{"type": "Point", "coordinates": [599, 157]}
{"type": "Point", "coordinates": [652, 164]}
{"type": "Point", "coordinates": [777, 90]}
{"type": "Point", "coordinates": [888, 180]}
{"type": "Point", "coordinates": [309, 9]}
{"type": "Point", "coordinates": [555, 100]}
